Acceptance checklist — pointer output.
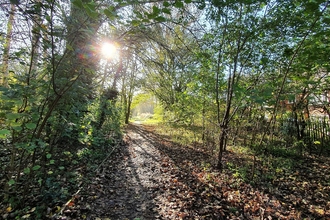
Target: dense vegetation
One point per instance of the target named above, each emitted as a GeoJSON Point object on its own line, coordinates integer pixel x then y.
{"type": "Point", "coordinates": [249, 73]}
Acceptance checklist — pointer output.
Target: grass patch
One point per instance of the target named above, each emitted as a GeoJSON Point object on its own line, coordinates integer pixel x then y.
{"type": "Point", "coordinates": [181, 134]}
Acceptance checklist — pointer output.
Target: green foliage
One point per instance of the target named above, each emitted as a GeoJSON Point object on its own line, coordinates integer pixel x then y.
{"type": "Point", "coordinates": [158, 113]}
{"type": "Point", "coordinates": [230, 74]}
{"type": "Point", "coordinates": [137, 99]}
{"type": "Point", "coordinates": [46, 109]}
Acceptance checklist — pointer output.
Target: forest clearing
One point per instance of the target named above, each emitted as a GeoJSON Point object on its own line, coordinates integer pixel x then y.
{"type": "Point", "coordinates": [164, 109]}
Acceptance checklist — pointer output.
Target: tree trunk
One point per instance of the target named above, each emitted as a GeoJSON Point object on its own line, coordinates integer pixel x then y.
{"type": "Point", "coordinates": [6, 46]}
{"type": "Point", "coordinates": [225, 121]}
{"type": "Point", "coordinates": [222, 146]}
{"type": "Point", "coordinates": [35, 43]}
{"type": "Point", "coordinates": [128, 112]}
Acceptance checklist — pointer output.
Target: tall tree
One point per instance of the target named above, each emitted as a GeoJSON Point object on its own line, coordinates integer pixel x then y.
{"type": "Point", "coordinates": [6, 47]}
{"type": "Point", "coordinates": [239, 25]}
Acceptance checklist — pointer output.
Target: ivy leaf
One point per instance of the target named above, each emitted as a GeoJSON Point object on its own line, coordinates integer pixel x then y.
{"type": "Point", "coordinates": [27, 170]}
{"type": "Point", "coordinates": [11, 182]}
{"type": "Point", "coordinates": [36, 167]}
{"type": "Point", "coordinates": [187, 1]}
{"type": "Point", "coordinates": [48, 156]}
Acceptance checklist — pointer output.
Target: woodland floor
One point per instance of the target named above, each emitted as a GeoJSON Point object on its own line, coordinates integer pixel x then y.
{"type": "Point", "coordinates": [153, 178]}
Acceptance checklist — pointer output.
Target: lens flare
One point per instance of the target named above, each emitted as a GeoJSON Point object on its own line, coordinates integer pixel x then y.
{"type": "Point", "coordinates": [109, 50]}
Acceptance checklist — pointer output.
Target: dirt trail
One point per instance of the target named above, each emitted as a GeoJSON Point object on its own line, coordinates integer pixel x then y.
{"type": "Point", "coordinates": [127, 186]}
{"type": "Point", "coordinates": [133, 184]}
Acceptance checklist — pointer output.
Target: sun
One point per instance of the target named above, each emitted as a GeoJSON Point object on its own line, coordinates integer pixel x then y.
{"type": "Point", "coordinates": [109, 50]}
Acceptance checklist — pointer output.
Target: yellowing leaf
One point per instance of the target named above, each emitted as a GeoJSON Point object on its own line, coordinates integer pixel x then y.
{"type": "Point", "coordinates": [319, 211]}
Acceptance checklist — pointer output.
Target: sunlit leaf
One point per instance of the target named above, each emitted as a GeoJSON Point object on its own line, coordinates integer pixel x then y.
{"type": "Point", "coordinates": [74, 78]}
{"type": "Point", "coordinates": [69, 47]}
{"type": "Point", "coordinates": [9, 209]}
{"type": "Point", "coordinates": [26, 216]}
{"type": "Point", "coordinates": [135, 23]}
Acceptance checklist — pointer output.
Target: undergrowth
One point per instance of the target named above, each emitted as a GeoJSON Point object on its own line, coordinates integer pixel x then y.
{"type": "Point", "coordinates": [242, 162]}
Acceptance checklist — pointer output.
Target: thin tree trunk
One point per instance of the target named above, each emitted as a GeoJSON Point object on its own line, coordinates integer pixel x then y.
{"type": "Point", "coordinates": [222, 142]}
{"type": "Point", "coordinates": [128, 110]}
{"type": "Point", "coordinates": [35, 44]}
{"type": "Point", "coordinates": [6, 46]}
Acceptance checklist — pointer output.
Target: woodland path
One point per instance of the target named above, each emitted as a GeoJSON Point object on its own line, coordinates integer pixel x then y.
{"type": "Point", "coordinates": [140, 181]}
{"type": "Point", "coordinates": [133, 185]}
{"type": "Point", "coordinates": [150, 177]}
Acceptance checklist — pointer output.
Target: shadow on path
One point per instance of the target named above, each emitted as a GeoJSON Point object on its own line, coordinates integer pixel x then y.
{"type": "Point", "coordinates": [186, 195]}
{"type": "Point", "coordinates": [122, 189]}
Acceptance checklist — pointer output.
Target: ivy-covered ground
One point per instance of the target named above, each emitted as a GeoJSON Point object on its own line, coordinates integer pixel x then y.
{"type": "Point", "coordinates": [152, 177]}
